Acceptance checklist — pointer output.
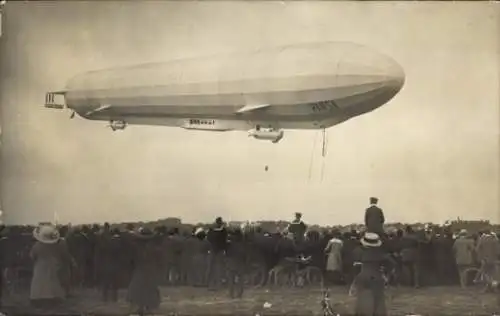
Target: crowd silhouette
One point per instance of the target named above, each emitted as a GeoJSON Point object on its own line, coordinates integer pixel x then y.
{"type": "Point", "coordinates": [56, 261]}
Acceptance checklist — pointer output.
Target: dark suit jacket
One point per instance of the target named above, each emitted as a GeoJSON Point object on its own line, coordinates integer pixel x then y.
{"type": "Point", "coordinates": [374, 219]}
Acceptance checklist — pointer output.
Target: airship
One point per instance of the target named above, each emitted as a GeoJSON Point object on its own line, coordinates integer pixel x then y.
{"type": "Point", "coordinates": [263, 92]}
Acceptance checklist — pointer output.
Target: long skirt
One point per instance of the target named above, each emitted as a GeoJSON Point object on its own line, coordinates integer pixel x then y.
{"type": "Point", "coordinates": [46, 282]}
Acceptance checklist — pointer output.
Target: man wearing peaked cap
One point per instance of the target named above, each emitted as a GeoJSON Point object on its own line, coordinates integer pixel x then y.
{"type": "Point", "coordinates": [374, 218]}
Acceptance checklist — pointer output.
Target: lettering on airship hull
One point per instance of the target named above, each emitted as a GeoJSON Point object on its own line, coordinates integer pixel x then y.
{"type": "Point", "coordinates": [195, 122]}
{"type": "Point", "coordinates": [204, 124]}
{"type": "Point", "coordinates": [324, 106]}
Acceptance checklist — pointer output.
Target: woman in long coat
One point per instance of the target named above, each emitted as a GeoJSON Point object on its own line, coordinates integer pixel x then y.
{"type": "Point", "coordinates": [370, 282]}
{"type": "Point", "coordinates": [143, 290]}
{"type": "Point", "coordinates": [51, 258]}
{"type": "Point", "coordinates": [333, 250]}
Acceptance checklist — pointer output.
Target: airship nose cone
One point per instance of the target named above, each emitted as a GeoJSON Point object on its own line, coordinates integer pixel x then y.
{"type": "Point", "coordinates": [367, 66]}
{"type": "Point", "coordinates": [394, 73]}
{"type": "Point", "coordinates": [366, 80]}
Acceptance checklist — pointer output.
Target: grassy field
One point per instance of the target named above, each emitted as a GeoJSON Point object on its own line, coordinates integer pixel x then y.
{"type": "Point", "coordinates": [283, 301]}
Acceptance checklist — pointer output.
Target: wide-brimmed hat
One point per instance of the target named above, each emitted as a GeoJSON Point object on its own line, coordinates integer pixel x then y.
{"type": "Point", "coordinates": [371, 240]}
{"type": "Point", "coordinates": [198, 231]}
{"type": "Point", "coordinates": [47, 234]}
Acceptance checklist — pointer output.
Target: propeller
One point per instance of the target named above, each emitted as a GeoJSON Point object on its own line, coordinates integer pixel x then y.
{"type": "Point", "coordinates": [114, 128]}
{"type": "Point", "coordinates": [111, 126]}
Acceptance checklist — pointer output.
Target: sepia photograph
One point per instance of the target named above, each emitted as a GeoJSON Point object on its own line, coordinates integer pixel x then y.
{"type": "Point", "coordinates": [249, 158]}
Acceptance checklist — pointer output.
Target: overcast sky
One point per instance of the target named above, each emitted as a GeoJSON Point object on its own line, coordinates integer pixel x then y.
{"type": "Point", "coordinates": [430, 154]}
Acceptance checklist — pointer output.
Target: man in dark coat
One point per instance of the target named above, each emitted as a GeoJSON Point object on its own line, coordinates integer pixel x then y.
{"type": "Point", "coordinates": [370, 282]}
{"type": "Point", "coordinates": [236, 263]}
{"type": "Point", "coordinates": [374, 218]}
{"type": "Point", "coordinates": [108, 256]}
{"type": "Point", "coordinates": [409, 250]}
{"type": "Point", "coordinates": [444, 258]}
{"type": "Point", "coordinates": [298, 228]}
{"type": "Point", "coordinates": [217, 237]}
{"type": "Point", "coordinates": [351, 242]}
